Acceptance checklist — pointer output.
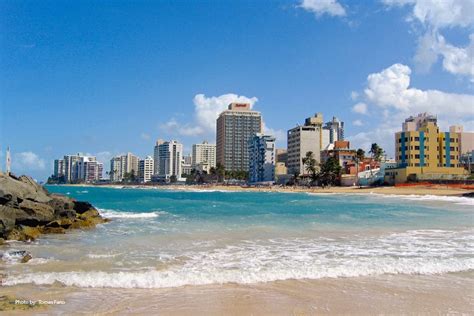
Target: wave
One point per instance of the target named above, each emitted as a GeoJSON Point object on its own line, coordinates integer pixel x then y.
{"type": "Point", "coordinates": [127, 214]}
{"type": "Point", "coordinates": [461, 200]}
{"type": "Point", "coordinates": [165, 279]}
{"type": "Point", "coordinates": [415, 252]}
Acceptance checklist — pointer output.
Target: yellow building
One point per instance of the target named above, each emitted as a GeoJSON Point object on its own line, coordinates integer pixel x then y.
{"type": "Point", "coordinates": [423, 153]}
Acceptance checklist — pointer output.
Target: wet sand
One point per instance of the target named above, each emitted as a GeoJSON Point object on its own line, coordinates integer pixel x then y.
{"type": "Point", "coordinates": [388, 294]}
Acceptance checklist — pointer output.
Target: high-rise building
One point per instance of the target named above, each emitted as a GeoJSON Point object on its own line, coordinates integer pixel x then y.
{"type": "Point", "coordinates": [88, 169]}
{"type": "Point", "coordinates": [333, 131]}
{"type": "Point", "coordinates": [235, 127]}
{"type": "Point", "coordinates": [170, 155]}
{"type": "Point", "coordinates": [115, 173]}
{"type": "Point", "coordinates": [304, 139]}
{"type": "Point", "coordinates": [78, 168]}
{"type": "Point", "coordinates": [156, 156]}
{"type": "Point", "coordinates": [281, 155]}
{"type": "Point", "coordinates": [121, 166]}
{"type": "Point", "coordinates": [145, 169]}
{"type": "Point", "coordinates": [262, 156]}
{"type": "Point", "coordinates": [466, 139]}
{"type": "Point", "coordinates": [70, 167]}
{"type": "Point", "coordinates": [423, 152]}
{"type": "Point", "coordinates": [59, 168]}
{"type": "Point", "coordinates": [204, 154]}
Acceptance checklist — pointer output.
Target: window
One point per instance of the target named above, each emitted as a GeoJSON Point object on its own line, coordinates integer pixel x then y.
{"type": "Point", "coordinates": [417, 139]}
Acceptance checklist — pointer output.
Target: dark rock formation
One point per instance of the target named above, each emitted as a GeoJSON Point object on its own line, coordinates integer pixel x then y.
{"type": "Point", "coordinates": [28, 210]}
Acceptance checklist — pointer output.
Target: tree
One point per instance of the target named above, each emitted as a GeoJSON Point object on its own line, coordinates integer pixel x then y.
{"type": "Point", "coordinates": [220, 170]}
{"type": "Point", "coordinates": [330, 172]}
{"type": "Point", "coordinates": [310, 166]}
{"type": "Point", "coordinates": [376, 151]}
{"type": "Point", "coordinates": [360, 154]}
{"type": "Point", "coordinates": [173, 179]}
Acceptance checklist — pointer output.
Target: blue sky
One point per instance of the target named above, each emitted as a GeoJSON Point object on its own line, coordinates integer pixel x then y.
{"type": "Point", "coordinates": [113, 76]}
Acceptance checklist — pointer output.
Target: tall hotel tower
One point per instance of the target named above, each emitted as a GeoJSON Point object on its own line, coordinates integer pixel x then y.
{"type": "Point", "coordinates": [235, 127]}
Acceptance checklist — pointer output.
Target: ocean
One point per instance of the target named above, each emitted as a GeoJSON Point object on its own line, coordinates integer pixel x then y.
{"type": "Point", "coordinates": [160, 238]}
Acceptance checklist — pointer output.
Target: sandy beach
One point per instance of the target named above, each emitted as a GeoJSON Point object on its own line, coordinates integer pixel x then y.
{"type": "Point", "coordinates": [392, 294]}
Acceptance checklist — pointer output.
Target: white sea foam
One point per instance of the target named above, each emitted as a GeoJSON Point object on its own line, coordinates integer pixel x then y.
{"type": "Point", "coordinates": [442, 198]}
{"type": "Point", "coordinates": [122, 214]}
{"type": "Point", "coordinates": [211, 275]}
{"type": "Point", "coordinates": [424, 252]}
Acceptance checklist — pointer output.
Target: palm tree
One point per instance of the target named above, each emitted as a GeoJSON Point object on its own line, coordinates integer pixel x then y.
{"type": "Point", "coordinates": [310, 165]}
{"type": "Point", "coordinates": [376, 151]}
{"type": "Point", "coordinates": [220, 170]}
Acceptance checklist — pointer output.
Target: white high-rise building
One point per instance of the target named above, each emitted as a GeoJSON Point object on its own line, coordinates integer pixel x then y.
{"type": "Point", "coordinates": [145, 169]}
{"type": "Point", "coordinates": [204, 156]}
{"type": "Point", "coordinates": [170, 155]}
{"type": "Point", "coordinates": [186, 165]}
{"type": "Point", "coordinates": [235, 127]}
{"type": "Point", "coordinates": [262, 155]}
{"type": "Point", "coordinates": [78, 168]}
{"type": "Point", "coordinates": [303, 139]}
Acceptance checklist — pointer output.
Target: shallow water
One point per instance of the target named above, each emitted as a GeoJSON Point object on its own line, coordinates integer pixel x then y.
{"type": "Point", "coordinates": [165, 239]}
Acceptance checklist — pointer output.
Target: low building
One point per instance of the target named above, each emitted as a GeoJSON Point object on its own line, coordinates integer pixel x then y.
{"type": "Point", "coordinates": [262, 159]}
{"type": "Point", "coordinates": [341, 151]}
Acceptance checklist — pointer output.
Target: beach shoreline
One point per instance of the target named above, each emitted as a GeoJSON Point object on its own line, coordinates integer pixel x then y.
{"type": "Point", "coordinates": [399, 294]}
{"type": "Point", "coordinates": [419, 190]}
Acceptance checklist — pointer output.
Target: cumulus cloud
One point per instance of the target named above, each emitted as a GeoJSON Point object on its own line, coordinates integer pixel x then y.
{"type": "Point", "coordinates": [206, 111]}
{"type": "Point", "coordinates": [360, 108]}
{"type": "Point", "coordinates": [434, 16]}
{"type": "Point", "coordinates": [393, 99]}
{"type": "Point", "coordinates": [391, 89]}
{"type": "Point", "coordinates": [321, 7]}
{"type": "Point", "coordinates": [279, 134]}
{"type": "Point", "coordinates": [354, 95]}
{"type": "Point", "coordinates": [27, 161]}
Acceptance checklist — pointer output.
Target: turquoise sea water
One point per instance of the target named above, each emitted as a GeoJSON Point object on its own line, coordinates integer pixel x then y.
{"type": "Point", "coordinates": [165, 238]}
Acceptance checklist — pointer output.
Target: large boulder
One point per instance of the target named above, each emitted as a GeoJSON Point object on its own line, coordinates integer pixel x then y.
{"type": "Point", "coordinates": [28, 210]}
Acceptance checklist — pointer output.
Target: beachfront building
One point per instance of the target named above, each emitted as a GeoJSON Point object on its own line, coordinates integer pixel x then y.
{"type": "Point", "coordinates": [235, 127]}
{"type": "Point", "coordinates": [145, 169]}
{"type": "Point", "coordinates": [123, 166]}
{"type": "Point", "coordinates": [203, 156]}
{"type": "Point", "coordinates": [262, 159]}
{"type": "Point", "coordinates": [423, 152]}
{"type": "Point", "coordinates": [186, 165]}
{"type": "Point", "coordinates": [302, 139]}
{"type": "Point", "coordinates": [466, 139]}
{"type": "Point", "coordinates": [342, 152]}
{"type": "Point", "coordinates": [77, 169]}
{"type": "Point", "coordinates": [156, 156]}
{"type": "Point", "coordinates": [170, 156]}
{"type": "Point", "coordinates": [59, 169]}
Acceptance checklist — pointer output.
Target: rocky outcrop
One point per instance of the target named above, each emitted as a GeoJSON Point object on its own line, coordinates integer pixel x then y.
{"type": "Point", "coordinates": [28, 210]}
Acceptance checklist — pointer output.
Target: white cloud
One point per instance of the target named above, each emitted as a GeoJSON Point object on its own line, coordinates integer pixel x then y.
{"type": "Point", "coordinates": [321, 7]}
{"type": "Point", "coordinates": [279, 134]}
{"type": "Point", "coordinates": [27, 161]}
{"type": "Point", "coordinates": [393, 100]}
{"type": "Point", "coordinates": [358, 123]}
{"type": "Point", "coordinates": [391, 89]}
{"type": "Point", "coordinates": [360, 108]}
{"type": "Point", "coordinates": [354, 95]}
{"type": "Point", "coordinates": [434, 16]}
{"type": "Point", "coordinates": [206, 111]}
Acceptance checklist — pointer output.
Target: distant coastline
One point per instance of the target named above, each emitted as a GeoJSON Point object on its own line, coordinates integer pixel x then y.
{"type": "Point", "coordinates": [420, 190]}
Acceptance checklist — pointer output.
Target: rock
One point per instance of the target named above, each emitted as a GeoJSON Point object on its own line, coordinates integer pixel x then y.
{"type": "Point", "coordinates": [469, 194]}
{"type": "Point", "coordinates": [26, 258]}
{"type": "Point", "coordinates": [81, 207]}
{"type": "Point", "coordinates": [28, 210]}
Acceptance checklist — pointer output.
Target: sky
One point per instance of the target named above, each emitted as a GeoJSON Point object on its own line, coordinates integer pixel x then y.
{"type": "Point", "coordinates": [109, 77]}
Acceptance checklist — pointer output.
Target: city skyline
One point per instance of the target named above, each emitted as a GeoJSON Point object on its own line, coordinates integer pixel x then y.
{"type": "Point", "coordinates": [106, 82]}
